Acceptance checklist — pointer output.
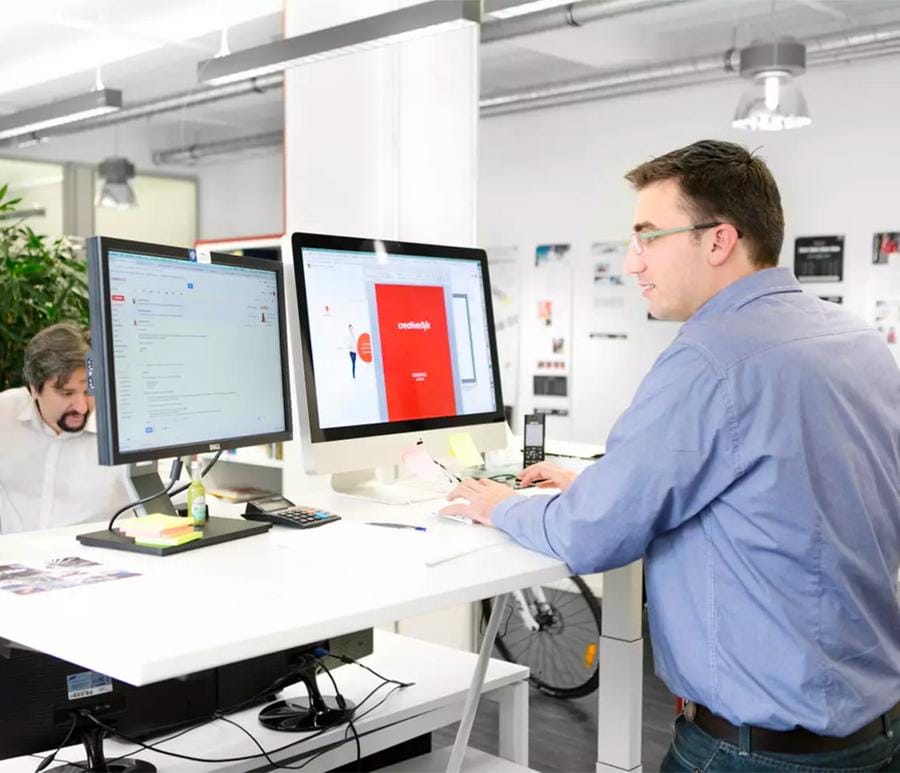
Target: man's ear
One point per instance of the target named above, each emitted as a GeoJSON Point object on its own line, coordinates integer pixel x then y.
{"type": "Point", "coordinates": [724, 239]}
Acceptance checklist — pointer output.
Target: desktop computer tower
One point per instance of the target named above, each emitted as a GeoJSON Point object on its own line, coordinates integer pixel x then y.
{"type": "Point", "coordinates": [41, 693]}
{"type": "Point", "coordinates": [240, 684]}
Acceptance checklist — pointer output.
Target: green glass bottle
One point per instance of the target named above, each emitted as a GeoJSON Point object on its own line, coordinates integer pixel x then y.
{"type": "Point", "coordinates": [196, 496]}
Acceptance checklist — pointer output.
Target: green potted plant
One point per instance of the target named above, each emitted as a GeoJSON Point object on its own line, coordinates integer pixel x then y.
{"type": "Point", "coordinates": [40, 284]}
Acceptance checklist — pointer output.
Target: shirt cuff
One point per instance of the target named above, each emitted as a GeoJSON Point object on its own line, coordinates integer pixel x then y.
{"type": "Point", "coordinates": [522, 518]}
{"type": "Point", "coordinates": [500, 512]}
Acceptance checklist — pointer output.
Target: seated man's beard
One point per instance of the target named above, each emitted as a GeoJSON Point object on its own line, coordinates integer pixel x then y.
{"type": "Point", "coordinates": [72, 421]}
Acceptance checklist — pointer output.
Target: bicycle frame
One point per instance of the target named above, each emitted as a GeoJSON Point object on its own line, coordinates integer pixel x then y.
{"type": "Point", "coordinates": [524, 608]}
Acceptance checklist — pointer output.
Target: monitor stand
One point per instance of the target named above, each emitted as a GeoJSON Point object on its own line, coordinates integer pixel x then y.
{"type": "Point", "coordinates": [144, 480]}
{"type": "Point", "coordinates": [92, 738]}
{"type": "Point", "coordinates": [299, 716]}
{"type": "Point", "coordinates": [382, 485]}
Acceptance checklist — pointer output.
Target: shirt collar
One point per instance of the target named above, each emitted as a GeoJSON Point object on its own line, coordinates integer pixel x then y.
{"type": "Point", "coordinates": [30, 413]}
{"type": "Point", "coordinates": [768, 281]}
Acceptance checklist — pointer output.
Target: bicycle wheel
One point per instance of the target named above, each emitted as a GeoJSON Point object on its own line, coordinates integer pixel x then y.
{"type": "Point", "coordinates": [560, 647]}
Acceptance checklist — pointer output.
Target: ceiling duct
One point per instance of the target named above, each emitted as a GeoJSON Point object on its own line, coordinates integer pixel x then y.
{"type": "Point", "coordinates": [847, 46]}
{"type": "Point", "coordinates": [194, 153]}
{"type": "Point", "coordinates": [572, 15]}
{"type": "Point", "coordinates": [831, 49]}
{"type": "Point", "coordinates": [194, 97]}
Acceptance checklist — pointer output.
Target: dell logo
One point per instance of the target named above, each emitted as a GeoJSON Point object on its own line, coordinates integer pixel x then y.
{"type": "Point", "coordinates": [215, 446]}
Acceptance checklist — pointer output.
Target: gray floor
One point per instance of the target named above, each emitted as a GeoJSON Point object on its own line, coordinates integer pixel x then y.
{"type": "Point", "coordinates": [563, 737]}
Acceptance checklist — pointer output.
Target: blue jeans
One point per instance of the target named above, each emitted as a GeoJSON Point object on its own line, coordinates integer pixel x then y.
{"type": "Point", "coordinates": [693, 750]}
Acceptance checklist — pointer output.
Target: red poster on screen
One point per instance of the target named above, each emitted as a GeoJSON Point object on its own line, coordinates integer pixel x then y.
{"type": "Point", "coordinates": [415, 351]}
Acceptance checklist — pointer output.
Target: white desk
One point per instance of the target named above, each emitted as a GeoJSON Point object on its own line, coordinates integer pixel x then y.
{"type": "Point", "coordinates": [441, 677]}
{"type": "Point", "coordinates": [229, 602]}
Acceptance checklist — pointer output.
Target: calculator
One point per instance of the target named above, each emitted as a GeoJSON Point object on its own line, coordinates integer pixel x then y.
{"type": "Point", "coordinates": [280, 511]}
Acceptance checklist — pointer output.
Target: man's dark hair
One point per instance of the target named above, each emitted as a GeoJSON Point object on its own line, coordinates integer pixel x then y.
{"type": "Point", "coordinates": [56, 352]}
{"type": "Point", "coordinates": [724, 181]}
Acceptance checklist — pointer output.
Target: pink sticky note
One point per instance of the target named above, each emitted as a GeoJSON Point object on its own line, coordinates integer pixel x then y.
{"type": "Point", "coordinates": [419, 462]}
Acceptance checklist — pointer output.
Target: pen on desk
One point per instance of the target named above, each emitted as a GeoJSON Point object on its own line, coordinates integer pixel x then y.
{"type": "Point", "coordinates": [396, 525]}
{"type": "Point", "coordinates": [454, 478]}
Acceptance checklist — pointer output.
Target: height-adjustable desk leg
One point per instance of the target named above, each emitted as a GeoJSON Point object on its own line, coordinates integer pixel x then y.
{"type": "Point", "coordinates": [621, 672]}
{"type": "Point", "coordinates": [468, 717]}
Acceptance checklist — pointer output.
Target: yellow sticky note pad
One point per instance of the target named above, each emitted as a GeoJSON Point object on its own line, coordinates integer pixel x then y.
{"type": "Point", "coordinates": [463, 448]}
{"type": "Point", "coordinates": [167, 542]}
{"type": "Point", "coordinates": [152, 522]}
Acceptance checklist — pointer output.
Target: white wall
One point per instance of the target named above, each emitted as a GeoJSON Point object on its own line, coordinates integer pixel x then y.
{"type": "Point", "coordinates": [555, 175]}
{"type": "Point", "coordinates": [241, 195]}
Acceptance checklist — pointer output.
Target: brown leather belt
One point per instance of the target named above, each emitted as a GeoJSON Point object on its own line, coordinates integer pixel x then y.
{"type": "Point", "coordinates": [796, 741]}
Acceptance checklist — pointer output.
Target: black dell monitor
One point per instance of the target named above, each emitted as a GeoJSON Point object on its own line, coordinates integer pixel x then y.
{"type": "Point", "coordinates": [189, 354]}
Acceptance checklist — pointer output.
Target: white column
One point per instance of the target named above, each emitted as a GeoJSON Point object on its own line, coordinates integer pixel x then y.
{"type": "Point", "coordinates": [382, 143]}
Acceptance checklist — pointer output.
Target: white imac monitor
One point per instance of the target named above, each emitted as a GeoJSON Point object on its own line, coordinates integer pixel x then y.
{"type": "Point", "coordinates": [396, 345]}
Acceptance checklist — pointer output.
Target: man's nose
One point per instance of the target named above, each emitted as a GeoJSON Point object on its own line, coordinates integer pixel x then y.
{"type": "Point", "coordinates": [634, 263]}
{"type": "Point", "coordinates": [80, 404]}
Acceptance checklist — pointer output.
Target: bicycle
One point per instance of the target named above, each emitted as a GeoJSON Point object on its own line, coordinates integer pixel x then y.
{"type": "Point", "coordinates": [554, 630]}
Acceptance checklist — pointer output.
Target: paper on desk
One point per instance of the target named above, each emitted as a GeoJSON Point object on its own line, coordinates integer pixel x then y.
{"type": "Point", "coordinates": [442, 542]}
{"type": "Point", "coordinates": [463, 448]}
{"type": "Point", "coordinates": [460, 539]}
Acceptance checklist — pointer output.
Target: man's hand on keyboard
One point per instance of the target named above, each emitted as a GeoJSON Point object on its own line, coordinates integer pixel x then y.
{"type": "Point", "coordinates": [482, 494]}
{"type": "Point", "coordinates": [547, 475]}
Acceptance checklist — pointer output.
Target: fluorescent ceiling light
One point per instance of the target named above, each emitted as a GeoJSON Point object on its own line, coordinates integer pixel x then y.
{"type": "Point", "coordinates": [392, 27]}
{"type": "Point", "coordinates": [508, 9]}
{"type": "Point", "coordinates": [79, 42]}
{"type": "Point", "coordinates": [57, 113]}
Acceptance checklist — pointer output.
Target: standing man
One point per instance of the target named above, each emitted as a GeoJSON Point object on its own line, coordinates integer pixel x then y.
{"type": "Point", "coordinates": [49, 475]}
{"type": "Point", "coordinates": [758, 472]}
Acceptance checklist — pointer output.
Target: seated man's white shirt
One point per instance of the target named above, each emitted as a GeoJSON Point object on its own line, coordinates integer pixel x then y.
{"type": "Point", "coordinates": [49, 480]}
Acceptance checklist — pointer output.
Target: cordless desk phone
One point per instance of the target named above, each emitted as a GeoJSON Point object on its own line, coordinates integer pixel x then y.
{"type": "Point", "coordinates": [533, 446]}
{"type": "Point", "coordinates": [280, 511]}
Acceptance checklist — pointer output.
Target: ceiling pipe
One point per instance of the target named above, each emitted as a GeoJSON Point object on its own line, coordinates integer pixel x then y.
{"type": "Point", "coordinates": [831, 49]}
{"type": "Point", "coordinates": [692, 72]}
{"type": "Point", "coordinates": [573, 15]}
{"type": "Point", "coordinates": [194, 153]}
{"type": "Point", "coordinates": [840, 47]}
{"type": "Point", "coordinates": [192, 98]}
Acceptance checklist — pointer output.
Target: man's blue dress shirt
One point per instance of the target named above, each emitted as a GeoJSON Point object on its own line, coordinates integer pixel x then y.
{"type": "Point", "coordinates": [758, 471]}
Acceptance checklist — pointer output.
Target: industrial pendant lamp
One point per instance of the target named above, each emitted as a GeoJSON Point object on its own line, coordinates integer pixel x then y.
{"type": "Point", "coordinates": [116, 191]}
{"type": "Point", "coordinates": [773, 101]}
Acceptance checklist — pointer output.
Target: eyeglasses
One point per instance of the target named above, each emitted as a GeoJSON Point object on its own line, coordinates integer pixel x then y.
{"type": "Point", "coordinates": [638, 238]}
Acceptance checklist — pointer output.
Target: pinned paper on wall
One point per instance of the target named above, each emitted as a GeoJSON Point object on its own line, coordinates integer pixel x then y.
{"type": "Point", "coordinates": [551, 338]}
{"type": "Point", "coordinates": [608, 314]}
{"type": "Point", "coordinates": [819, 258]}
{"type": "Point", "coordinates": [884, 246]}
{"type": "Point", "coordinates": [886, 319]}
{"type": "Point", "coordinates": [462, 447]}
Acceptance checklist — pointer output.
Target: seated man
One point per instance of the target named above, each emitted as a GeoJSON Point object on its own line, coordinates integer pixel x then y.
{"type": "Point", "coordinates": [49, 475]}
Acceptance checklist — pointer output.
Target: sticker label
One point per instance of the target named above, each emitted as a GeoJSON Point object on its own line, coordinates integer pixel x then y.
{"type": "Point", "coordinates": [86, 684]}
